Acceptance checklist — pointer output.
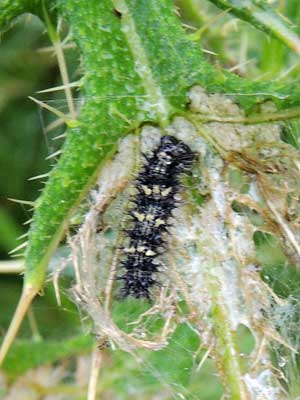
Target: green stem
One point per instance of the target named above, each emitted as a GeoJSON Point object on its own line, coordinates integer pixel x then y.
{"type": "Point", "coordinates": [228, 362]}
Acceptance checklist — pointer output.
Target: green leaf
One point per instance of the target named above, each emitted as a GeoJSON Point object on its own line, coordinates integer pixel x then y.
{"type": "Point", "coordinates": [26, 354]}
{"type": "Point", "coordinates": [259, 14]}
{"type": "Point", "coordinates": [11, 9]}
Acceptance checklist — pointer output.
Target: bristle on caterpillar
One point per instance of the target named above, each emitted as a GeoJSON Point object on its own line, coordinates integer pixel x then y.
{"type": "Point", "coordinates": [156, 187]}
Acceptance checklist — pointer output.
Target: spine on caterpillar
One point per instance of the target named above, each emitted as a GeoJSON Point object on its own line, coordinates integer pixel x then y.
{"type": "Point", "coordinates": [156, 187]}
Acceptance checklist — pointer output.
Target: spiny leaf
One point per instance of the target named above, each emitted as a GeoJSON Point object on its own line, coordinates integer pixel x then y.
{"type": "Point", "coordinates": [264, 18]}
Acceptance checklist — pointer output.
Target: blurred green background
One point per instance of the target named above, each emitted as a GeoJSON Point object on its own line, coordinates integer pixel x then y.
{"type": "Point", "coordinates": [27, 67]}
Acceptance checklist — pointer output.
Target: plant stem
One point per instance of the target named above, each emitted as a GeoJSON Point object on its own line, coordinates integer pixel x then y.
{"type": "Point", "coordinates": [228, 359]}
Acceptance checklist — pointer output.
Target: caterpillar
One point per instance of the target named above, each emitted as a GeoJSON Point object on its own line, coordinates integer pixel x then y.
{"type": "Point", "coordinates": [156, 187]}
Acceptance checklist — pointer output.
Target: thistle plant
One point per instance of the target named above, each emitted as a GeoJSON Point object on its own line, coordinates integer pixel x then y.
{"type": "Point", "coordinates": [144, 76]}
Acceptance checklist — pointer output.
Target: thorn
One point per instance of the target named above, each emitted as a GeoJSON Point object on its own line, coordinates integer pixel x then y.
{"type": "Point", "coordinates": [242, 64]}
{"type": "Point", "coordinates": [18, 255]}
{"type": "Point", "coordinates": [22, 236]}
{"type": "Point", "coordinates": [27, 202]}
{"type": "Point", "coordinates": [21, 246]}
{"type": "Point", "coordinates": [59, 136]}
{"type": "Point", "coordinates": [27, 222]}
{"type": "Point", "coordinates": [53, 155]}
{"type": "Point", "coordinates": [58, 48]}
{"type": "Point", "coordinates": [187, 26]}
{"type": "Point", "coordinates": [49, 49]}
{"type": "Point", "coordinates": [209, 52]}
{"type": "Point", "coordinates": [199, 32]}
{"type": "Point", "coordinates": [66, 118]}
{"type": "Point", "coordinates": [55, 124]}
{"type": "Point", "coordinates": [34, 178]}
{"type": "Point", "coordinates": [61, 87]}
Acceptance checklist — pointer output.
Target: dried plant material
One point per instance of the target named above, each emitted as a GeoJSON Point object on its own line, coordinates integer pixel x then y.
{"type": "Point", "coordinates": [231, 136]}
{"type": "Point", "coordinates": [94, 257]}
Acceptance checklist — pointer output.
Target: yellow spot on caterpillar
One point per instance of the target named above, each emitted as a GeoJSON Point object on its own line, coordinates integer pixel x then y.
{"type": "Point", "coordinates": [156, 189]}
{"type": "Point", "coordinates": [129, 249]}
{"type": "Point", "coordinates": [150, 253]}
{"type": "Point", "coordinates": [165, 192]}
{"type": "Point", "coordinates": [159, 222]}
{"type": "Point", "coordinates": [139, 216]}
{"type": "Point", "coordinates": [146, 190]}
{"type": "Point", "coordinates": [141, 249]}
{"type": "Point", "coordinates": [149, 217]}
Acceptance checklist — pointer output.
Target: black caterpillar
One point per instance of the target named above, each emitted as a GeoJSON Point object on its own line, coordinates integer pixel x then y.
{"type": "Point", "coordinates": [157, 185]}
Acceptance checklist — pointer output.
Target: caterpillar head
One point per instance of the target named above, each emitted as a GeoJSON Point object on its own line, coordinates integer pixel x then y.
{"type": "Point", "coordinates": [173, 151]}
